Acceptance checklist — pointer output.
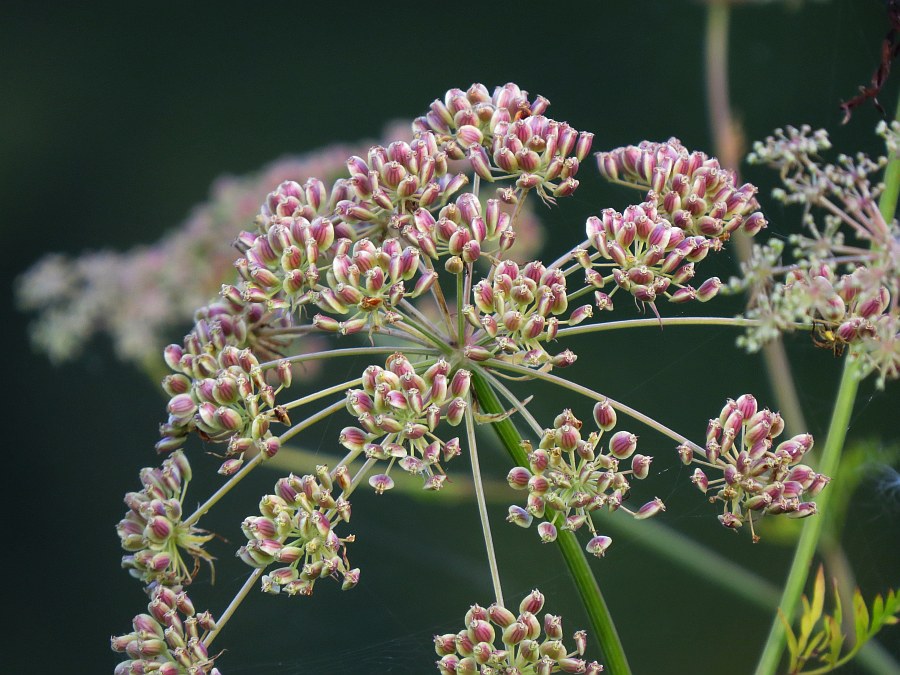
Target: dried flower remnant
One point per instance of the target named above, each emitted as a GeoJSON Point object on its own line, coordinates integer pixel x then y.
{"type": "Point", "coordinates": [295, 528]}
{"type": "Point", "coordinates": [169, 639]}
{"type": "Point", "coordinates": [398, 410]}
{"type": "Point", "coordinates": [757, 480]}
{"type": "Point", "coordinates": [152, 530]}
{"type": "Point", "coordinates": [844, 279]}
{"type": "Point", "coordinates": [522, 648]}
{"type": "Point", "coordinates": [568, 479]}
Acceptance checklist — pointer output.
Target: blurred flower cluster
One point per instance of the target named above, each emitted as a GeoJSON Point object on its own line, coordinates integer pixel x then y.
{"type": "Point", "coordinates": [842, 273]}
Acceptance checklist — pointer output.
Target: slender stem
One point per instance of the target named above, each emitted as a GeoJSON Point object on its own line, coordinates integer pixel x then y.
{"type": "Point", "coordinates": [482, 507]}
{"type": "Point", "coordinates": [590, 393]}
{"type": "Point", "coordinates": [460, 297]}
{"type": "Point", "coordinates": [351, 351]}
{"type": "Point", "coordinates": [837, 433]}
{"type": "Point", "coordinates": [515, 402]}
{"type": "Point", "coordinates": [812, 527]}
{"type": "Point", "coordinates": [656, 323]}
{"type": "Point", "coordinates": [574, 556]}
{"type": "Point", "coordinates": [232, 606]}
{"type": "Point", "coordinates": [315, 396]}
{"type": "Point", "coordinates": [312, 419]}
{"type": "Point", "coordinates": [225, 489]}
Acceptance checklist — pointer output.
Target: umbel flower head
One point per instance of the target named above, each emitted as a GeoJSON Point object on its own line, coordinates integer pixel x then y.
{"type": "Point", "coordinates": [844, 279]}
{"type": "Point", "coordinates": [568, 479]}
{"type": "Point", "coordinates": [398, 410]}
{"type": "Point", "coordinates": [152, 530]}
{"type": "Point", "coordinates": [296, 529]}
{"type": "Point", "coordinates": [757, 479]}
{"type": "Point", "coordinates": [497, 642]}
{"type": "Point", "coordinates": [169, 639]}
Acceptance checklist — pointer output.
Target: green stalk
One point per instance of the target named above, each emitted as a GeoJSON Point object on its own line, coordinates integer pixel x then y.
{"type": "Point", "coordinates": [575, 559]}
{"type": "Point", "coordinates": [812, 528]}
{"type": "Point", "coordinates": [831, 456]}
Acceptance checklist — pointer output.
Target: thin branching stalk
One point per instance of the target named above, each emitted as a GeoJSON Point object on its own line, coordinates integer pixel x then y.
{"type": "Point", "coordinates": [828, 464]}
{"type": "Point", "coordinates": [482, 507]}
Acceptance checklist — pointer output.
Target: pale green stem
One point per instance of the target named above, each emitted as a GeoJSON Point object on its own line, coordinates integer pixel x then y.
{"type": "Point", "coordinates": [232, 606]}
{"type": "Point", "coordinates": [482, 506]}
{"type": "Point", "coordinates": [812, 527]}
{"type": "Point", "coordinates": [515, 402]}
{"type": "Point", "coordinates": [596, 396]}
{"type": "Point", "coordinates": [343, 386]}
{"type": "Point", "coordinates": [351, 351]}
{"type": "Point", "coordinates": [257, 460]}
{"type": "Point", "coordinates": [831, 456]}
{"type": "Point", "coordinates": [460, 297]}
{"type": "Point", "coordinates": [583, 329]}
{"type": "Point", "coordinates": [225, 489]}
{"type": "Point", "coordinates": [312, 419]}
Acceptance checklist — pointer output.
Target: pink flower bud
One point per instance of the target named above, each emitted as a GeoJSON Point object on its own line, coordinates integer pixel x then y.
{"type": "Point", "coordinates": [622, 444]}
{"type": "Point", "coordinates": [597, 545]}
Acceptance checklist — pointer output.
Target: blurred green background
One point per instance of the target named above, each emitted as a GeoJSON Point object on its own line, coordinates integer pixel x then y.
{"type": "Point", "coordinates": [115, 121]}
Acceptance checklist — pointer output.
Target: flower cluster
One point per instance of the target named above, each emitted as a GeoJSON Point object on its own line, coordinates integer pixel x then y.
{"type": "Point", "coordinates": [693, 191]}
{"type": "Point", "coordinates": [648, 256]}
{"type": "Point", "coordinates": [567, 479]}
{"type": "Point", "coordinates": [368, 281]}
{"type": "Point", "coordinates": [462, 229]}
{"type": "Point", "coordinates": [516, 310]}
{"type": "Point", "coordinates": [521, 651]}
{"type": "Point", "coordinates": [506, 137]}
{"type": "Point", "coordinates": [296, 529]}
{"type": "Point", "coordinates": [844, 281]}
{"type": "Point", "coordinates": [399, 410]}
{"type": "Point", "coordinates": [169, 639]}
{"type": "Point", "coordinates": [223, 397]}
{"type": "Point", "coordinates": [756, 480]}
{"type": "Point", "coordinates": [394, 182]}
{"type": "Point", "coordinates": [152, 529]}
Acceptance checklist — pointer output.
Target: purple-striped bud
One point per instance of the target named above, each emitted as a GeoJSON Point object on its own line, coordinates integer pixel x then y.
{"type": "Point", "coordinates": [604, 415]}
{"type": "Point", "coordinates": [519, 516]}
{"type": "Point", "coordinates": [700, 480]}
{"type": "Point", "coordinates": [650, 509]}
{"type": "Point", "coordinates": [622, 444]}
{"type": "Point", "coordinates": [518, 477]}
{"type": "Point", "coordinates": [640, 466]}
{"type": "Point", "coordinates": [456, 410]}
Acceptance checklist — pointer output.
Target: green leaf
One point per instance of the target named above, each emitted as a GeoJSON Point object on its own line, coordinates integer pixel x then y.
{"type": "Point", "coordinates": [860, 618]}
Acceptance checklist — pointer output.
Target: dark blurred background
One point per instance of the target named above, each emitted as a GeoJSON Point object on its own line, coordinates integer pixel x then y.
{"type": "Point", "coordinates": [116, 119]}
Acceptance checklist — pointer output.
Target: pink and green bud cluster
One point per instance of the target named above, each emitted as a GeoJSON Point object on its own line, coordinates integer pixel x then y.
{"type": "Point", "coordinates": [507, 138]}
{"type": "Point", "coordinates": [168, 639]}
{"type": "Point", "coordinates": [398, 410]}
{"type": "Point", "coordinates": [462, 228]}
{"type": "Point", "coordinates": [394, 182]}
{"type": "Point", "coordinates": [757, 479]}
{"type": "Point", "coordinates": [367, 282]}
{"type": "Point", "coordinates": [279, 266]}
{"type": "Point", "coordinates": [152, 531]}
{"type": "Point", "coordinates": [568, 479]}
{"type": "Point", "coordinates": [694, 192]}
{"type": "Point", "coordinates": [495, 640]}
{"type": "Point", "coordinates": [224, 396]}
{"type": "Point", "coordinates": [643, 254]}
{"type": "Point", "coordinates": [295, 529]}
{"type": "Point", "coordinates": [516, 310]}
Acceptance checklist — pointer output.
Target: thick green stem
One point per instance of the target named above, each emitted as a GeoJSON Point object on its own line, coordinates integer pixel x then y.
{"type": "Point", "coordinates": [575, 559]}
{"type": "Point", "coordinates": [812, 528]}
{"type": "Point", "coordinates": [837, 433]}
